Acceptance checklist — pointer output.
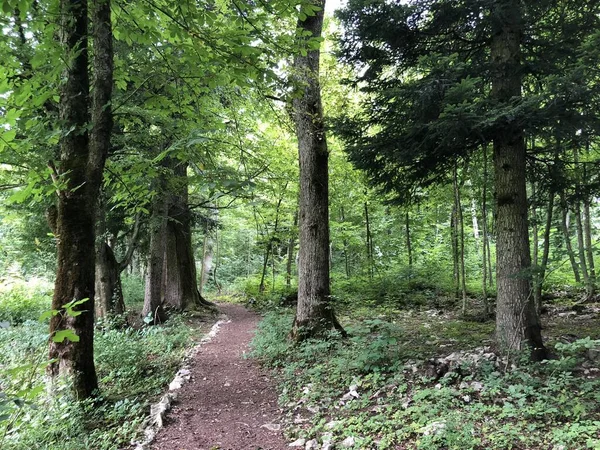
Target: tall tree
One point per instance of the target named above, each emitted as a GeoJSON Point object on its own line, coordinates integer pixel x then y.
{"type": "Point", "coordinates": [440, 79]}
{"type": "Point", "coordinates": [81, 164]}
{"type": "Point", "coordinates": [314, 314]}
{"type": "Point", "coordinates": [517, 321]}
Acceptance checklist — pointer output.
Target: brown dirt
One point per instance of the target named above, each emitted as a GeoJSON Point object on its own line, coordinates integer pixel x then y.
{"type": "Point", "coordinates": [229, 399]}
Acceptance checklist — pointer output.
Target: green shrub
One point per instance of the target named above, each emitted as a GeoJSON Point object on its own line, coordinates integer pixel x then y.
{"type": "Point", "coordinates": [21, 302]}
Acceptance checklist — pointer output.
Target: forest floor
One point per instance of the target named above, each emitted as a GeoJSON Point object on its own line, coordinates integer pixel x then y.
{"type": "Point", "coordinates": [405, 379]}
{"type": "Point", "coordinates": [230, 403]}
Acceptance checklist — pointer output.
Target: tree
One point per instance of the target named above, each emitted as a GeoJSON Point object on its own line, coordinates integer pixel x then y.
{"type": "Point", "coordinates": [81, 163]}
{"type": "Point", "coordinates": [441, 80]}
{"type": "Point", "coordinates": [314, 314]}
{"type": "Point", "coordinates": [517, 320]}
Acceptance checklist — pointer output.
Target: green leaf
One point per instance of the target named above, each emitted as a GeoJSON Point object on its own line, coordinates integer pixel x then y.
{"type": "Point", "coordinates": [46, 315]}
{"type": "Point", "coordinates": [60, 336]}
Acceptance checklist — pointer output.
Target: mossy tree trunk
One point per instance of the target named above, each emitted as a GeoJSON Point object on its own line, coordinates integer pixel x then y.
{"type": "Point", "coordinates": [314, 314]}
{"type": "Point", "coordinates": [81, 165]}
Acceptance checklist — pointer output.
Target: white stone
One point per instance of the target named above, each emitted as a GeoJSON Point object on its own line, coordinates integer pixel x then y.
{"type": "Point", "coordinates": [298, 443]}
{"type": "Point", "coordinates": [311, 445]}
{"type": "Point", "coordinates": [348, 442]}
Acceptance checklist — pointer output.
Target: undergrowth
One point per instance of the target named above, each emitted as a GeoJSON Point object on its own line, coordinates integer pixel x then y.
{"type": "Point", "coordinates": [133, 367]}
{"type": "Point", "coordinates": [373, 390]}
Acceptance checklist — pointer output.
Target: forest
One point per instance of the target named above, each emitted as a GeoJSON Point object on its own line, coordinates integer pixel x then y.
{"type": "Point", "coordinates": [386, 210]}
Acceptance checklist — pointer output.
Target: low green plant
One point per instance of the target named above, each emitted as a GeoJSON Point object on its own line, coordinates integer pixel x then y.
{"type": "Point", "coordinates": [372, 388]}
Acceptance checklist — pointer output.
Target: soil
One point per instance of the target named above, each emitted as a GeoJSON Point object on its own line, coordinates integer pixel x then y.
{"type": "Point", "coordinates": [230, 402]}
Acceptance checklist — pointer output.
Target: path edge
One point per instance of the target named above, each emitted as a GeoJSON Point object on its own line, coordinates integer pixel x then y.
{"type": "Point", "coordinates": [155, 421]}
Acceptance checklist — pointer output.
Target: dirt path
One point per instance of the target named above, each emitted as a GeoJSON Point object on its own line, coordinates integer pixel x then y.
{"type": "Point", "coordinates": [229, 399]}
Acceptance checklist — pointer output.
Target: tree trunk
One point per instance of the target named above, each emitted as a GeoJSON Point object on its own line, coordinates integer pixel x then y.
{"type": "Point", "coordinates": [567, 236]}
{"type": "Point", "coordinates": [203, 263]}
{"type": "Point", "coordinates": [314, 313]}
{"type": "Point", "coordinates": [582, 251]}
{"type": "Point", "coordinates": [484, 232]}
{"type": "Point", "coordinates": [109, 292]}
{"type": "Point", "coordinates": [455, 252]}
{"type": "Point", "coordinates": [517, 321]}
{"type": "Point", "coordinates": [461, 241]}
{"type": "Point", "coordinates": [408, 240]}
{"type": "Point", "coordinates": [81, 166]}
{"type": "Point", "coordinates": [369, 241]}
{"type": "Point", "coordinates": [587, 231]}
{"type": "Point", "coordinates": [290, 254]}
{"type": "Point", "coordinates": [153, 311]}
{"type": "Point", "coordinates": [536, 248]}
{"type": "Point", "coordinates": [541, 273]}
{"type": "Point", "coordinates": [181, 290]}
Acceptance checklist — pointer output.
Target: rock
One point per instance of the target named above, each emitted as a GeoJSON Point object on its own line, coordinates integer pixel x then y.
{"type": "Point", "coordinates": [434, 428]}
{"type": "Point", "coordinates": [298, 443]}
{"type": "Point", "coordinates": [331, 425]}
{"type": "Point", "coordinates": [311, 445]}
{"type": "Point", "coordinates": [4, 324]}
{"type": "Point", "coordinates": [477, 386]}
{"type": "Point", "coordinates": [348, 442]}
{"type": "Point", "coordinates": [271, 426]}
{"type": "Point", "coordinates": [593, 354]}
{"type": "Point", "coordinates": [313, 409]}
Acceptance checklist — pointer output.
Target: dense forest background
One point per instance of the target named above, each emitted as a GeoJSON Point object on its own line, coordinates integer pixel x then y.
{"type": "Point", "coordinates": [150, 167]}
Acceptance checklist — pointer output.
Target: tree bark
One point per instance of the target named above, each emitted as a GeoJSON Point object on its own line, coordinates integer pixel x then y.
{"type": "Point", "coordinates": [314, 313]}
{"type": "Point", "coordinates": [290, 254]}
{"type": "Point", "coordinates": [581, 250]}
{"type": "Point", "coordinates": [567, 236]}
{"type": "Point", "coordinates": [461, 241]}
{"type": "Point", "coordinates": [408, 239]}
{"type": "Point", "coordinates": [517, 321]}
{"type": "Point", "coordinates": [484, 232]}
{"type": "Point", "coordinates": [369, 241]}
{"type": "Point", "coordinates": [181, 290]}
{"type": "Point", "coordinates": [455, 255]}
{"type": "Point", "coordinates": [81, 166]}
{"type": "Point", "coordinates": [545, 251]}
{"type": "Point", "coordinates": [153, 310]}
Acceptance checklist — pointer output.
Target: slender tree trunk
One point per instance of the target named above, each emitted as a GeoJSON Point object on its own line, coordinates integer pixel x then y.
{"type": "Point", "coordinates": [263, 275]}
{"type": "Point", "coordinates": [581, 247]}
{"type": "Point", "coordinates": [455, 256]}
{"type": "Point", "coordinates": [581, 250]}
{"type": "Point", "coordinates": [588, 228]}
{"type": "Point", "coordinates": [203, 265]}
{"type": "Point", "coordinates": [314, 314]}
{"type": "Point", "coordinates": [567, 236]}
{"type": "Point", "coordinates": [346, 262]}
{"type": "Point", "coordinates": [541, 271]}
{"type": "Point", "coordinates": [484, 232]}
{"type": "Point", "coordinates": [369, 241]}
{"type": "Point", "coordinates": [536, 247]}
{"type": "Point", "coordinates": [217, 260]}
{"type": "Point", "coordinates": [461, 237]}
{"type": "Point", "coordinates": [517, 321]}
{"type": "Point", "coordinates": [408, 239]}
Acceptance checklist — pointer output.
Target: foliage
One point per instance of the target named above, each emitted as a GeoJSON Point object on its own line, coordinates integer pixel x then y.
{"type": "Point", "coordinates": [375, 387]}
{"type": "Point", "coordinates": [133, 368]}
{"type": "Point", "coordinates": [20, 301]}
